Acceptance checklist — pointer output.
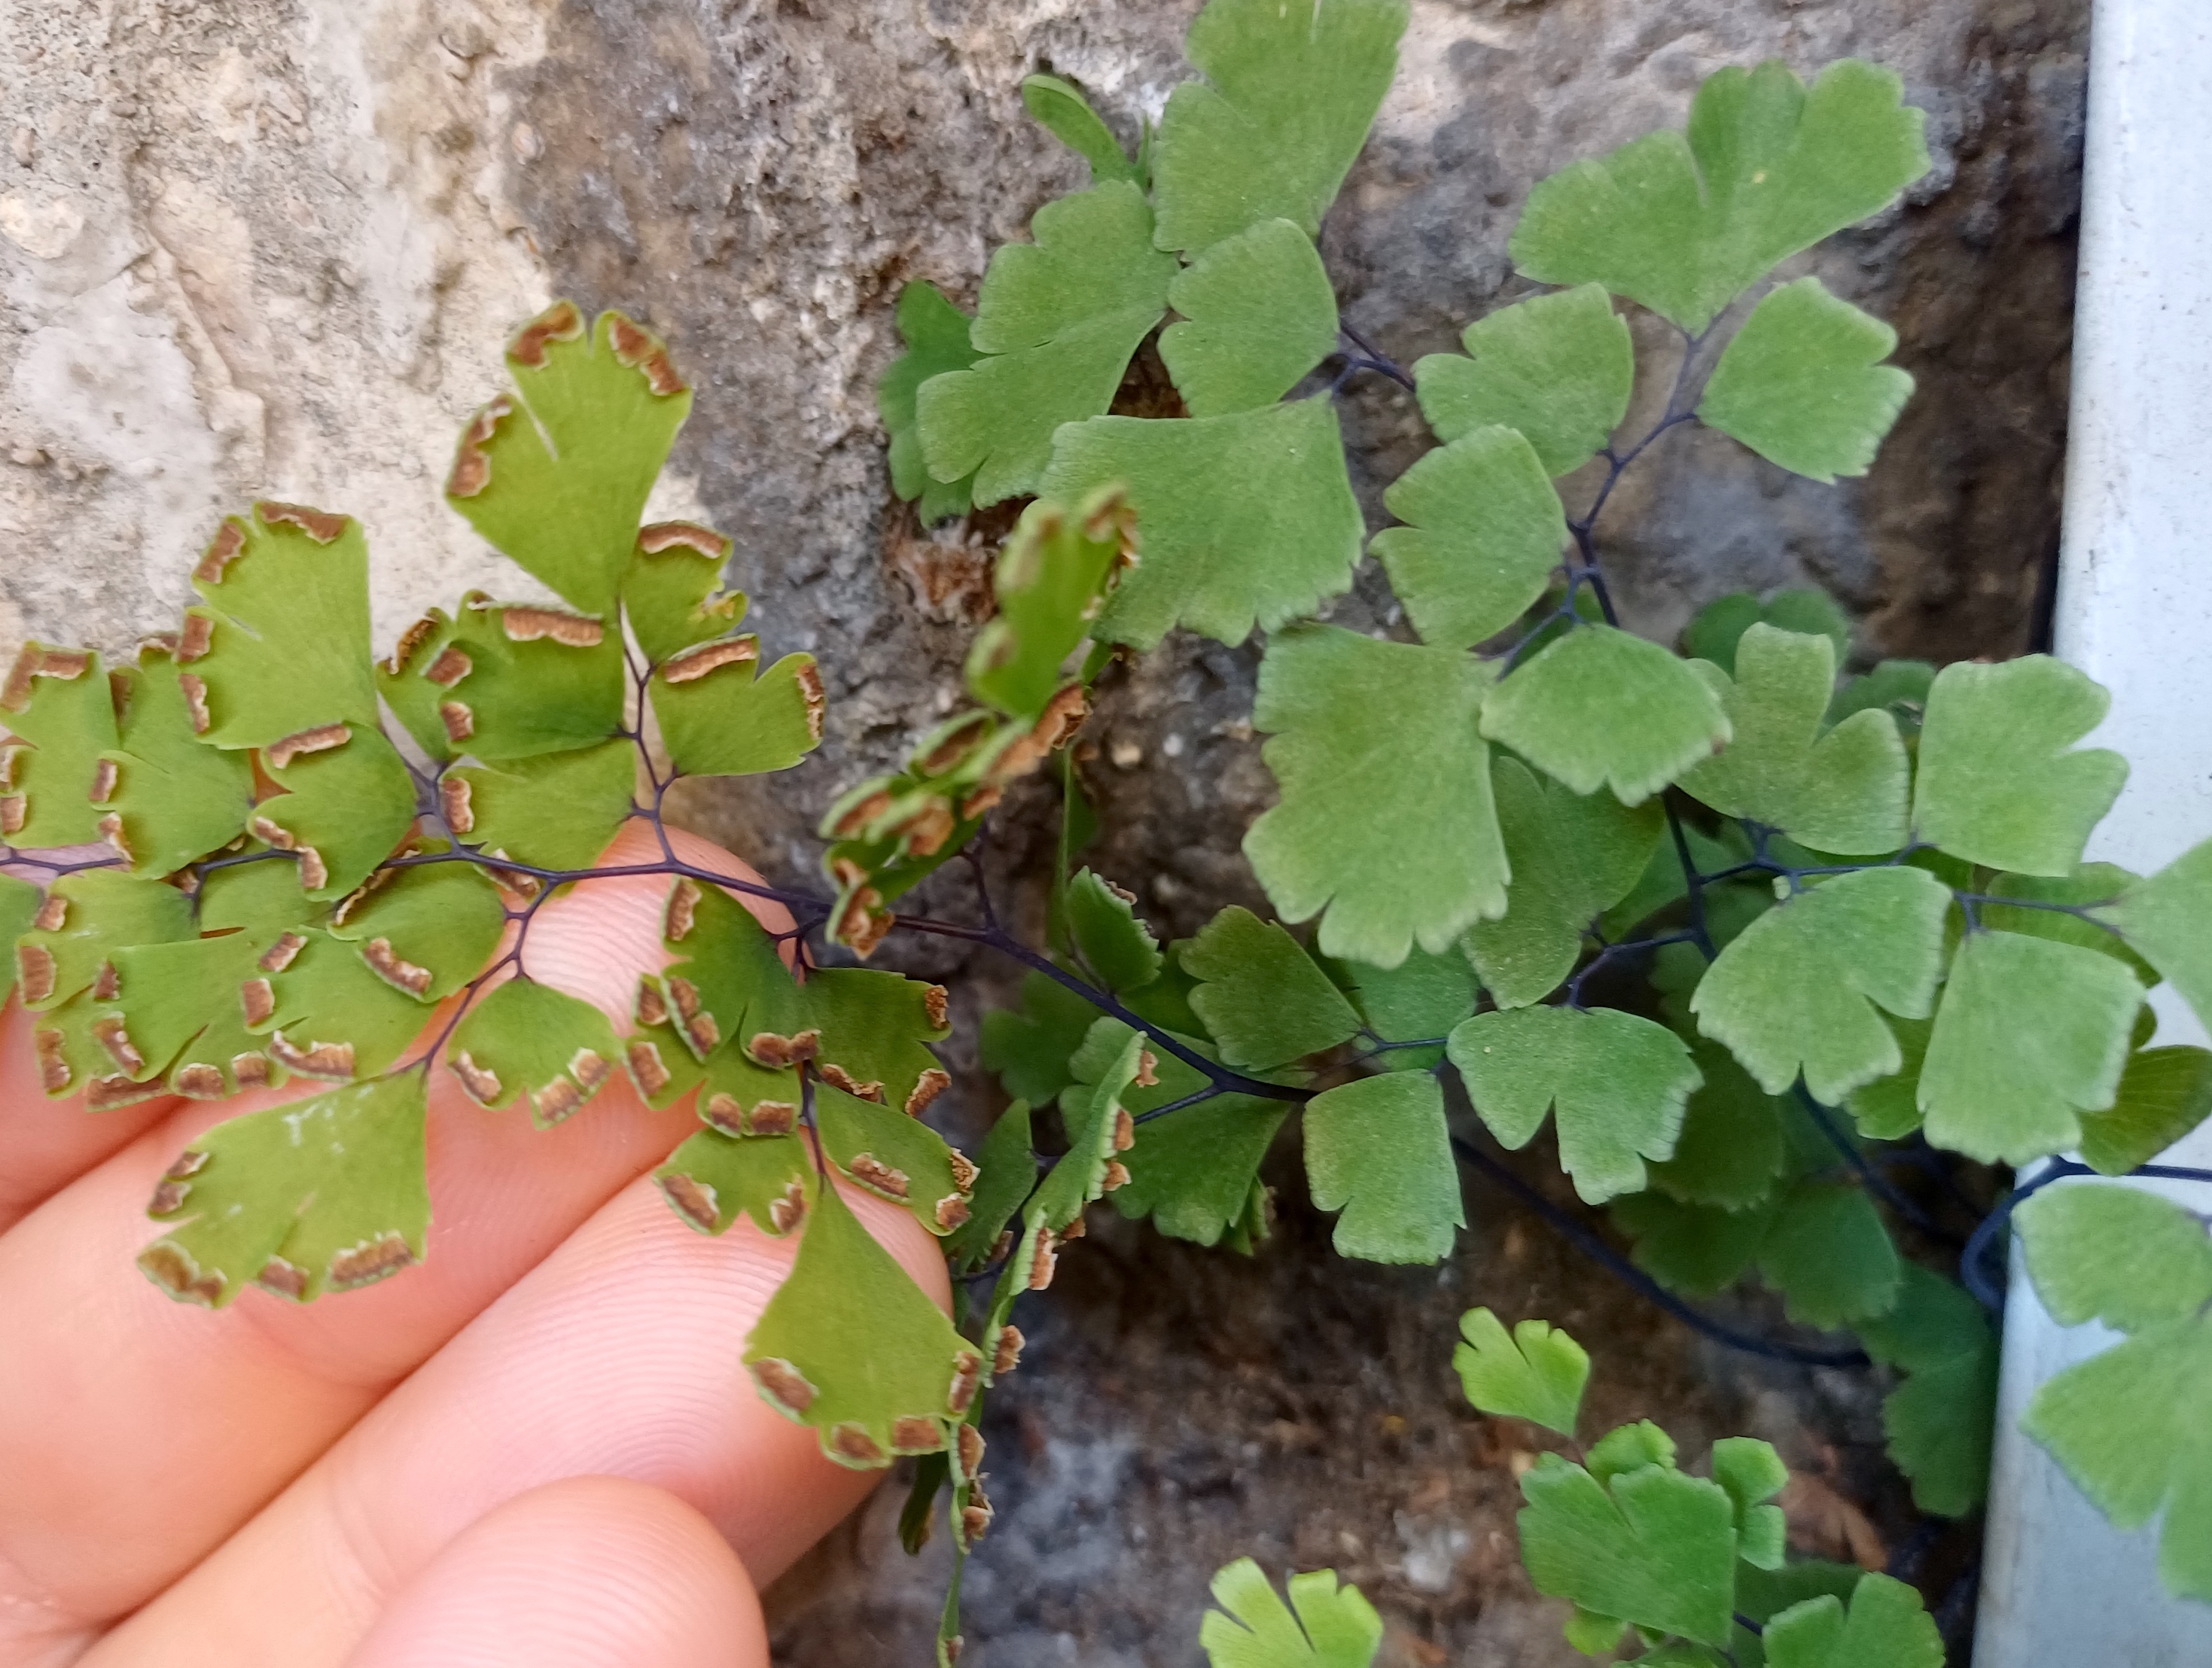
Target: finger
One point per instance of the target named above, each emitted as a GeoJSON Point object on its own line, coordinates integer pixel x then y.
{"type": "Point", "coordinates": [137, 1433]}
{"type": "Point", "coordinates": [44, 1144]}
{"type": "Point", "coordinates": [619, 1355]}
{"type": "Point", "coordinates": [594, 1573]}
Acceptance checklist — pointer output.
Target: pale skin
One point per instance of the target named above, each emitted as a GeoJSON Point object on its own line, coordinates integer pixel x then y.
{"type": "Point", "coordinates": [538, 1448]}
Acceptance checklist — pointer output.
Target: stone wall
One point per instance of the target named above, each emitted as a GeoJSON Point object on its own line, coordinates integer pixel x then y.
{"type": "Point", "coordinates": [257, 246]}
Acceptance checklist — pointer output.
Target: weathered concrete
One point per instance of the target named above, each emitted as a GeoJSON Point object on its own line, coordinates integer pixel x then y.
{"type": "Point", "coordinates": [254, 246]}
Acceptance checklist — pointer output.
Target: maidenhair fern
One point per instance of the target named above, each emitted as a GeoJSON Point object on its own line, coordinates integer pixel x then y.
{"type": "Point", "coordinates": [1736, 924]}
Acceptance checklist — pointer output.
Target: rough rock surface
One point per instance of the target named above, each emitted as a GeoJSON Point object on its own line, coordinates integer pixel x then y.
{"type": "Point", "coordinates": [259, 246]}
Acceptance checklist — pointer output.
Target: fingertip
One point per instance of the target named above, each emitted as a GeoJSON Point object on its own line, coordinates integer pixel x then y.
{"type": "Point", "coordinates": [589, 1572]}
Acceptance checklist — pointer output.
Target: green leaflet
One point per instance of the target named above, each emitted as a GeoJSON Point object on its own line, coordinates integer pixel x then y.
{"type": "Point", "coordinates": [671, 591]}
{"type": "Point", "coordinates": [1648, 1545]}
{"type": "Point", "coordinates": [1798, 989]}
{"type": "Point", "coordinates": [1423, 995]}
{"type": "Point", "coordinates": [1248, 518]}
{"type": "Point", "coordinates": [330, 1015]}
{"type": "Point", "coordinates": [714, 1179]}
{"type": "Point", "coordinates": [874, 1027]}
{"type": "Point", "coordinates": [56, 704]}
{"type": "Point", "coordinates": [1729, 1151]}
{"type": "Point", "coordinates": [852, 1347]}
{"type": "Point", "coordinates": [1482, 540]}
{"type": "Point", "coordinates": [1195, 1174]}
{"type": "Point", "coordinates": [1066, 114]}
{"type": "Point", "coordinates": [1007, 1171]}
{"type": "Point", "coordinates": [326, 1194]}
{"type": "Point", "coordinates": [2031, 1035]}
{"type": "Point", "coordinates": [1113, 943]}
{"type": "Point", "coordinates": [2129, 1428]}
{"type": "Point", "coordinates": [893, 1155]}
{"type": "Point", "coordinates": [288, 578]}
{"type": "Point", "coordinates": [1619, 1082]}
{"type": "Point", "coordinates": [2167, 918]}
{"type": "Point", "coordinates": [2164, 1093]}
{"type": "Point", "coordinates": [1885, 1625]}
{"type": "Point", "coordinates": [88, 917]}
{"type": "Point", "coordinates": [1029, 1046]}
{"type": "Point", "coordinates": [1094, 1112]}
{"type": "Point", "coordinates": [1600, 709]}
{"type": "Point", "coordinates": [1386, 822]}
{"type": "Point", "coordinates": [732, 987]}
{"type": "Point", "coordinates": [558, 473]}
{"type": "Point", "coordinates": [1055, 325]}
{"type": "Point", "coordinates": [936, 336]}
{"type": "Point", "coordinates": [1377, 1150]}
{"type": "Point", "coordinates": [718, 719]}
{"type": "Point", "coordinates": [2092, 884]}
{"type": "Point", "coordinates": [1718, 628]}
{"type": "Point", "coordinates": [1559, 368]}
{"type": "Point", "coordinates": [1888, 1109]}
{"type": "Point", "coordinates": [1257, 313]}
{"type": "Point", "coordinates": [2097, 1250]}
{"type": "Point", "coordinates": [343, 809]}
{"type": "Point", "coordinates": [1841, 790]}
{"type": "Point", "coordinates": [1829, 1257]}
{"type": "Point", "coordinates": [1047, 582]}
{"type": "Point", "coordinates": [1683, 222]}
{"type": "Point", "coordinates": [1572, 857]}
{"type": "Point", "coordinates": [1261, 995]}
{"type": "Point", "coordinates": [1803, 384]}
{"type": "Point", "coordinates": [558, 810]}
{"type": "Point", "coordinates": [1335, 1626]}
{"type": "Point", "coordinates": [1288, 96]}
{"type": "Point", "coordinates": [2001, 782]}
{"type": "Point", "coordinates": [505, 681]}
{"type": "Point", "coordinates": [426, 930]}
{"type": "Point", "coordinates": [174, 798]}
{"type": "Point", "coordinates": [529, 1038]}
{"type": "Point", "coordinates": [1940, 1420]}
{"type": "Point", "coordinates": [1536, 1373]}
{"type": "Point", "coordinates": [1752, 1473]}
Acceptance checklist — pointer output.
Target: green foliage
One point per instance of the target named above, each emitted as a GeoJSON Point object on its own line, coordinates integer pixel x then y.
{"type": "Point", "coordinates": [2101, 1251]}
{"type": "Point", "coordinates": [1195, 1175]}
{"type": "Point", "coordinates": [1271, 131]}
{"type": "Point", "coordinates": [324, 1194]}
{"type": "Point", "coordinates": [1047, 582]}
{"type": "Point", "coordinates": [1885, 1624]}
{"type": "Point", "coordinates": [1422, 997]}
{"type": "Point", "coordinates": [1800, 989]}
{"type": "Point", "coordinates": [556, 474]}
{"type": "Point", "coordinates": [2163, 1094]}
{"type": "Point", "coordinates": [1256, 314]}
{"type": "Point", "coordinates": [1717, 628]}
{"type": "Point", "coordinates": [1068, 116]}
{"type": "Point", "coordinates": [1801, 383]}
{"type": "Point", "coordinates": [850, 1346]}
{"type": "Point", "coordinates": [1482, 539]}
{"type": "Point", "coordinates": [1730, 1152]}
{"type": "Point", "coordinates": [1940, 1420]}
{"type": "Point", "coordinates": [1335, 1627]}
{"type": "Point", "coordinates": [1113, 943]}
{"type": "Point", "coordinates": [1600, 709]}
{"type": "Point", "coordinates": [174, 800]}
{"type": "Point", "coordinates": [1572, 857]}
{"type": "Point", "coordinates": [2031, 1035]}
{"type": "Point", "coordinates": [1377, 1150]}
{"type": "Point", "coordinates": [937, 344]}
{"type": "Point", "coordinates": [1840, 789]}
{"type": "Point", "coordinates": [529, 1038]}
{"type": "Point", "coordinates": [2167, 920]}
{"type": "Point", "coordinates": [1386, 828]}
{"type": "Point", "coordinates": [1684, 222]}
{"type": "Point", "coordinates": [1618, 1082]}
{"type": "Point", "coordinates": [1055, 327]}
{"type": "Point", "coordinates": [1248, 517]}
{"type": "Point", "coordinates": [1998, 784]}
{"type": "Point", "coordinates": [1536, 1373]}
{"type": "Point", "coordinates": [1260, 994]}
{"type": "Point", "coordinates": [1558, 369]}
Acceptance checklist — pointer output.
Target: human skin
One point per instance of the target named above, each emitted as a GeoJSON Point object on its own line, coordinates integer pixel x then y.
{"type": "Point", "coordinates": [540, 1447]}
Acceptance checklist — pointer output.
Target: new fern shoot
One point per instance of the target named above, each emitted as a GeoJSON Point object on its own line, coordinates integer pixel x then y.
{"type": "Point", "coordinates": [1740, 925]}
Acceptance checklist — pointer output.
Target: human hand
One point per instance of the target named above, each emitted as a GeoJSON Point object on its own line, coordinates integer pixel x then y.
{"type": "Point", "coordinates": [540, 1447]}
